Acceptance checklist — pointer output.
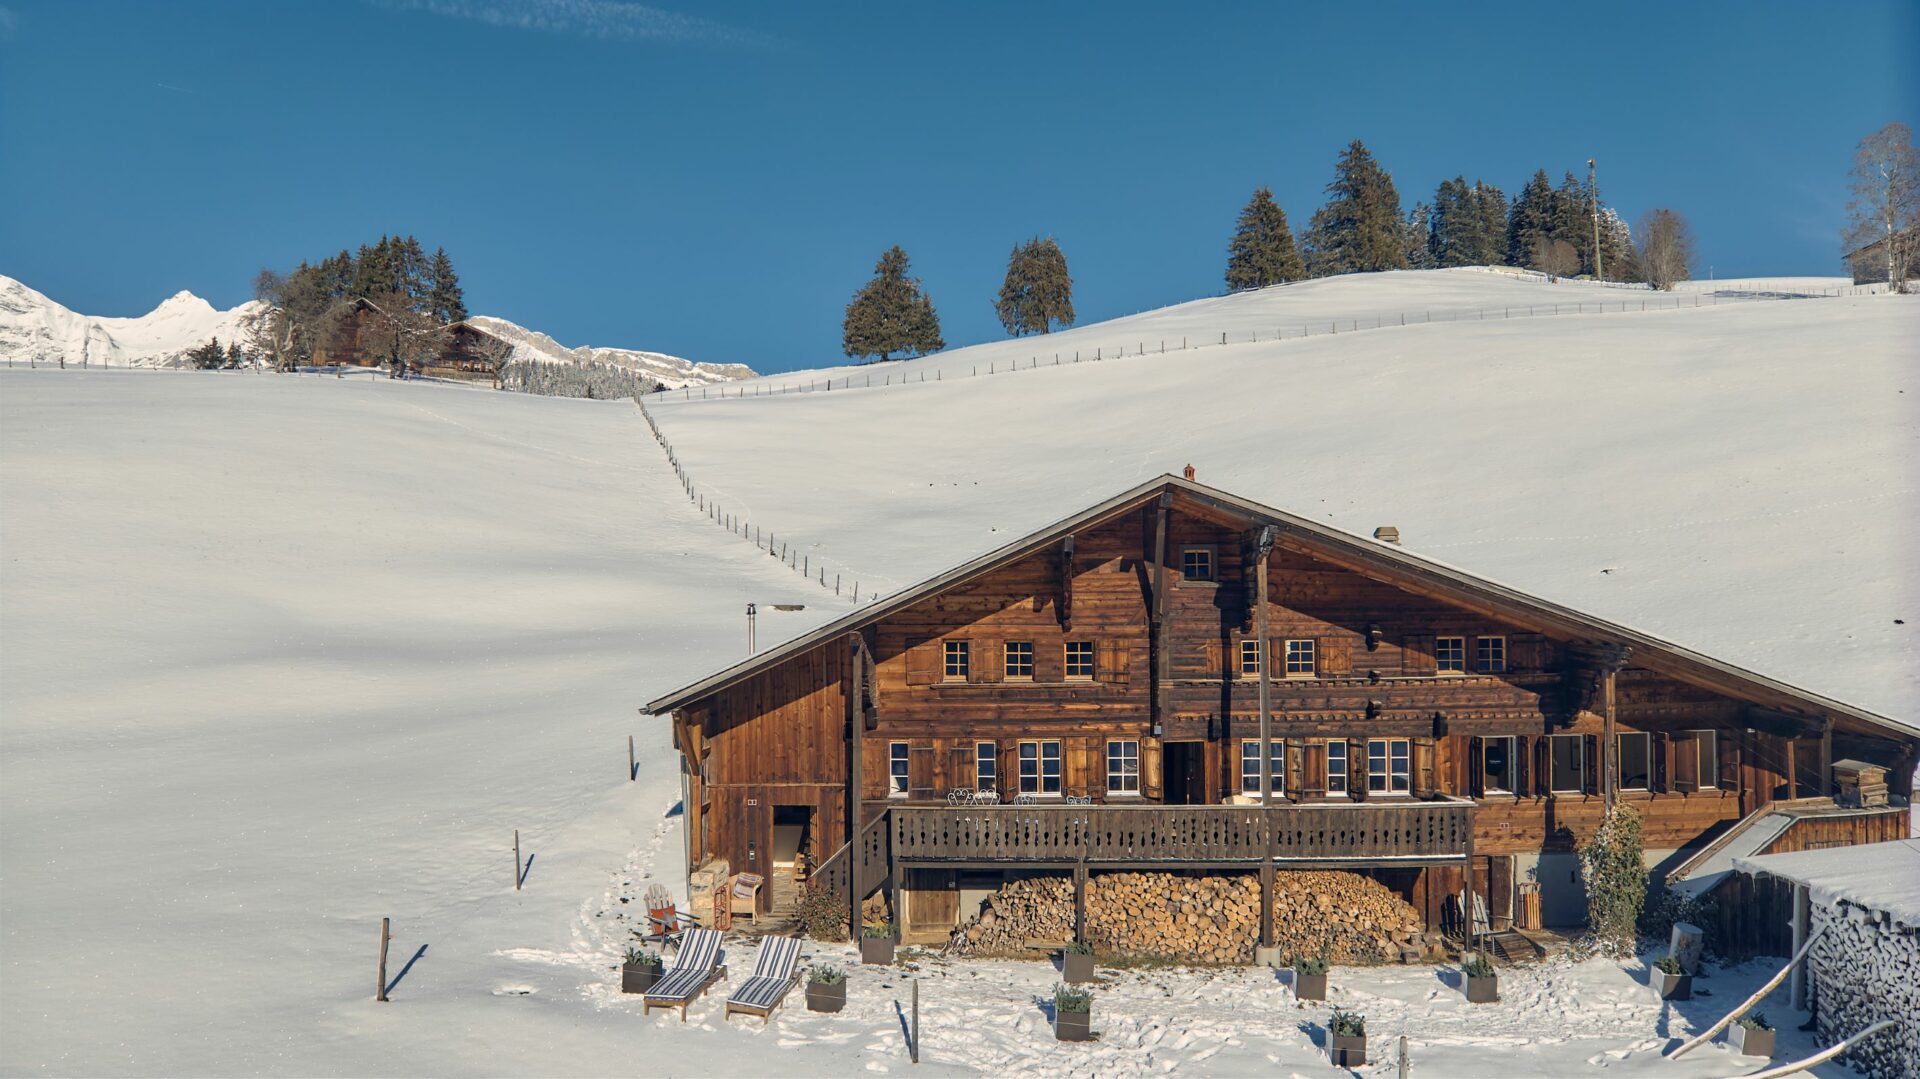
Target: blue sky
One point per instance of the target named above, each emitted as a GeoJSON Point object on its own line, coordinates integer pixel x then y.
{"type": "Point", "coordinates": [715, 181]}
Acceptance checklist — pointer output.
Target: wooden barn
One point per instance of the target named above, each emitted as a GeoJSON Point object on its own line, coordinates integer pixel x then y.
{"type": "Point", "coordinates": [345, 344]}
{"type": "Point", "coordinates": [1097, 697]}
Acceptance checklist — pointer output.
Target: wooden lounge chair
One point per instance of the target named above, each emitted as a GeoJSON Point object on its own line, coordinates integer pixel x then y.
{"type": "Point", "coordinates": [744, 896]}
{"type": "Point", "coordinates": [695, 966]}
{"type": "Point", "coordinates": [773, 977]}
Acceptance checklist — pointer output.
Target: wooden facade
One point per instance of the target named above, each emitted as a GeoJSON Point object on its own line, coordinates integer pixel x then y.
{"type": "Point", "coordinates": [1420, 722]}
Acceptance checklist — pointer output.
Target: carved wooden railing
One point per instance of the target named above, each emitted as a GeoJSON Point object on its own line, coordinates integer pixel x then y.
{"type": "Point", "coordinates": [1130, 834]}
{"type": "Point", "coordinates": [862, 860]}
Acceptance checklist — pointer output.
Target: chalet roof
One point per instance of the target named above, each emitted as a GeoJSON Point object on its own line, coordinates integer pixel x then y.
{"type": "Point", "coordinates": [1373, 558]}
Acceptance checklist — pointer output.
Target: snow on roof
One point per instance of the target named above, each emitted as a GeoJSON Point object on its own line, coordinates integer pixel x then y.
{"type": "Point", "coordinates": [1879, 876]}
{"type": "Point", "coordinates": [1709, 873]}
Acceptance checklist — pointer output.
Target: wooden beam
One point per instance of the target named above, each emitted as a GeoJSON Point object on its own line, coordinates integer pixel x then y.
{"type": "Point", "coordinates": [856, 729]}
{"type": "Point", "coordinates": [1080, 901]}
{"type": "Point", "coordinates": [1610, 771]}
{"type": "Point", "coordinates": [1157, 640]}
{"type": "Point", "coordinates": [1263, 547]}
{"type": "Point", "coordinates": [1065, 607]}
{"type": "Point", "coordinates": [1266, 902]}
{"type": "Point", "coordinates": [1826, 758]}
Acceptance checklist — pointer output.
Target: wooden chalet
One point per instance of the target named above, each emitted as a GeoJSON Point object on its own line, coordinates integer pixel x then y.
{"type": "Point", "coordinates": [344, 344]}
{"type": "Point", "coordinates": [1113, 679]}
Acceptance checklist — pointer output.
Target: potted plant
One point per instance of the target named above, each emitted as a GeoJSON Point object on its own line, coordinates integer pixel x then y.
{"type": "Point", "coordinates": [876, 944]}
{"type": "Point", "coordinates": [1076, 962]}
{"type": "Point", "coordinates": [826, 989]}
{"type": "Point", "coordinates": [1072, 1013]}
{"type": "Point", "coordinates": [640, 971]}
{"type": "Point", "coordinates": [1752, 1036]}
{"type": "Point", "coordinates": [1310, 977]}
{"type": "Point", "coordinates": [1349, 1041]}
{"type": "Point", "coordinates": [1674, 983]}
{"type": "Point", "coordinates": [1482, 982]}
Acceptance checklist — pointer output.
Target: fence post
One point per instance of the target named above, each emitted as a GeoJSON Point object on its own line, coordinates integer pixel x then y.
{"type": "Point", "coordinates": [381, 992]}
{"type": "Point", "coordinates": [915, 1047]}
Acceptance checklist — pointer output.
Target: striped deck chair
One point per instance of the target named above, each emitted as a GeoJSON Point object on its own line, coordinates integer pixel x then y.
{"type": "Point", "coordinates": [694, 968]}
{"type": "Point", "coordinates": [773, 976]}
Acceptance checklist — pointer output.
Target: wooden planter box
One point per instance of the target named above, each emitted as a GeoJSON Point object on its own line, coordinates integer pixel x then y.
{"type": "Point", "coordinates": [1673, 986]}
{"type": "Point", "coordinates": [826, 998]}
{"type": "Point", "coordinates": [1349, 1051]}
{"type": "Point", "coordinates": [1076, 968]}
{"type": "Point", "coordinates": [1309, 986]}
{"type": "Point", "coordinates": [1073, 1026]}
{"type": "Point", "coordinates": [637, 979]}
{"type": "Point", "coordinates": [876, 951]}
{"type": "Point", "coordinates": [1749, 1042]}
{"type": "Point", "coordinates": [1483, 990]}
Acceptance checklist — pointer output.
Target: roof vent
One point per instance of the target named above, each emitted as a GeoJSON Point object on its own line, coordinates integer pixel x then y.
{"type": "Point", "coordinates": [1189, 471]}
{"type": "Point", "coordinates": [1387, 534]}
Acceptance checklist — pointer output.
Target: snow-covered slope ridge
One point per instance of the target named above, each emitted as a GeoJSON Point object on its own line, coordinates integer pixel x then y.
{"type": "Point", "coordinates": [670, 371]}
{"type": "Point", "coordinates": [1737, 478]}
{"type": "Point", "coordinates": [37, 330]}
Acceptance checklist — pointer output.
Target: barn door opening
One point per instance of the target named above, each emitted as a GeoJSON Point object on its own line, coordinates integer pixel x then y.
{"type": "Point", "coordinates": [1183, 773]}
{"type": "Point", "coordinates": [792, 835]}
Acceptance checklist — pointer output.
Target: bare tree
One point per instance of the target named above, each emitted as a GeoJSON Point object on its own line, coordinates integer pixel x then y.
{"type": "Point", "coordinates": [1666, 248]}
{"type": "Point", "coordinates": [1886, 199]}
{"type": "Point", "coordinates": [495, 352]}
{"type": "Point", "coordinates": [1555, 258]}
{"type": "Point", "coordinates": [400, 337]}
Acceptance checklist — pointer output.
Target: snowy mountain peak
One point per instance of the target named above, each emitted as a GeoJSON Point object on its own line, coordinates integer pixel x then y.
{"type": "Point", "coordinates": [182, 302]}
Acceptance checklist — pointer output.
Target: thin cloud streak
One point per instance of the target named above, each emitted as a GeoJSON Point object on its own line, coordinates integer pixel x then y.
{"type": "Point", "coordinates": [608, 20]}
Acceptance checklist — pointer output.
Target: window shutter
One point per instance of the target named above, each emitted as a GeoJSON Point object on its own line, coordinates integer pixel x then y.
{"type": "Point", "coordinates": [1417, 654]}
{"type": "Point", "coordinates": [963, 768]}
{"type": "Point", "coordinates": [988, 661]}
{"type": "Point", "coordinates": [1110, 660]}
{"type": "Point", "coordinates": [920, 770]}
{"type": "Point", "coordinates": [873, 768]}
{"type": "Point", "coordinates": [1049, 661]}
{"type": "Point", "coordinates": [1150, 767]}
{"type": "Point", "coordinates": [1476, 780]}
{"type": "Point", "coordinates": [1543, 765]}
{"type": "Point", "coordinates": [1727, 745]}
{"type": "Point", "coordinates": [1527, 652]}
{"type": "Point", "coordinates": [1295, 754]}
{"type": "Point", "coordinates": [1357, 766]}
{"type": "Point", "coordinates": [1422, 767]}
{"type": "Point", "coordinates": [1590, 763]}
{"type": "Point", "coordinates": [1686, 763]}
{"type": "Point", "coordinates": [923, 661]}
{"type": "Point", "coordinates": [1091, 754]}
{"type": "Point", "coordinates": [1314, 778]}
{"type": "Point", "coordinates": [1520, 769]}
{"type": "Point", "coordinates": [1333, 657]}
{"type": "Point", "coordinates": [1661, 746]}
{"type": "Point", "coordinates": [1216, 662]}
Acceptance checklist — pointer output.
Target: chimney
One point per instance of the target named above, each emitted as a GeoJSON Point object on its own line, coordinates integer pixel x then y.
{"type": "Point", "coordinates": [1189, 471]}
{"type": "Point", "coordinates": [1387, 534]}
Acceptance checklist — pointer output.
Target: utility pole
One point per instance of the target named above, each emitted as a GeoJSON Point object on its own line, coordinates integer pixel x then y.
{"type": "Point", "coordinates": [1593, 194]}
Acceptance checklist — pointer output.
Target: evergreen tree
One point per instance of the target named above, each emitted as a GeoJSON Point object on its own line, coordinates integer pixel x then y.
{"type": "Point", "coordinates": [208, 357]}
{"type": "Point", "coordinates": [1360, 229]}
{"type": "Point", "coordinates": [891, 314]}
{"type": "Point", "coordinates": [235, 358]}
{"type": "Point", "coordinates": [1038, 290]}
{"type": "Point", "coordinates": [1622, 261]}
{"type": "Point", "coordinates": [1490, 232]}
{"type": "Point", "coordinates": [1453, 237]}
{"type": "Point", "coordinates": [444, 296]}
{"type": "Point", "coordinates": [1573, 220]}
{"type": "Point", "coordinates": [1261, 252]}
{"type": "Point", "coordinates": [374, 271]}
{"type": "Point", "coordinates": [1417, 237]}
{"type": "Point", "coordinates": [1532, 219]}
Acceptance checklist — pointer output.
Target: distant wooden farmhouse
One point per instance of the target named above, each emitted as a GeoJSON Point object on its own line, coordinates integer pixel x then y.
{"type": "Point", "coordinates": [347, 345]}
{"type": "Point", "coordinates": [1869, 263]}
{"type": "Point", "coordinates": [1178, 678]}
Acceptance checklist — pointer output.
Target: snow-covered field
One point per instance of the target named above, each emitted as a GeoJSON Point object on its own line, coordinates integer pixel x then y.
{"type": "Point", "coordinates": [281, 656]}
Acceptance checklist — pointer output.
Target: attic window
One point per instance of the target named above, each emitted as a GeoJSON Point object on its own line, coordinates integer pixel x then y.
{"type": "Point", "coordinates": [1080, 660]}
{"type": "Point", "coordinates": [1300, 662]}
{"type": "Point", "coordinates": [1196, 563]}
{"type": "Point", "coordinates": [1490, 654]}
{"type": "Point", "coordinates": [1450, 655]}
{"type": "Point", "coordinates": [956, 661]}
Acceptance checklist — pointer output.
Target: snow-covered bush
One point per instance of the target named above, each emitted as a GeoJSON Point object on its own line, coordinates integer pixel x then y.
{"type": "Point", "coordinates": [1616, 878]}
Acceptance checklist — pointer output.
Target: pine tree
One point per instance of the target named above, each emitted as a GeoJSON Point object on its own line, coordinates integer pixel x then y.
{"type": "Point", "coordinates": [1360, 229]}
{"type": "Point", "coordinates": [208, 357]}
{"type": "Point", "coordinates": [1262, 252]}
{"type": "Point", "coordinates": [1573, 219]}
{"type": "Point", "coordinates": [235, 358]}
{"type": "Point", "coordinates": [375, 271]}
{"type": "Point", "coordinates": [1490, 234]}
{"type": "Point", "coordinates": [891, 314]}
{"type": "Point", "coordinates": [1454, 234]}
{"type": "Point", "coordinates": [444, 297]}
{"type": "Point", "coordinates": [1417, 237]}
{"type": "Point", "coordinates": [1532, 219]}
{"type": "Point", "coordinates": [1038, 290]}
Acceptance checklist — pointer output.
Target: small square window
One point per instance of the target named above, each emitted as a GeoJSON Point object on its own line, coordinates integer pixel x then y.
{"type": "Point", "coordinates": [1490, 654]}
{"type": "Point", "coordinates": [987, 765]}
{"type": "Point", "coordinates": [1250, 765]}
{"type": "Point", "coordinates": [1196, 563]}
{"type": "Point", "coordinates": [897, 766]}
{"type": "Point", "coordinates": [1450, 654]}
{"type": "Point", "coordinates": [1019, 659]}
{"type": "Point", "coordinates": [1080, 660]}
{"type": "Point", "coordinates": [1337, 766]}
{"type": "Point", "coordinates": [1300, 658]}
{"type": "Point", "coordinates": [957, 657]}
{"type": "Point", "coordinates": [1123, 767]}
{"type": "Point", "coordinates": [1250, 659]}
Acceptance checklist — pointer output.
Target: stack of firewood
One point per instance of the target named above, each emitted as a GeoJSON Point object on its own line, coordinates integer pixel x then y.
{"type": "Point", "coordinates": [1865, 968]}
{"type": "Point", "coordinates": [1344, 916]}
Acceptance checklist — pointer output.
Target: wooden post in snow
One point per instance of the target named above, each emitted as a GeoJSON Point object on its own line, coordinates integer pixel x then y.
{"type": "Point", "coordinates": [380, 992]}
{"type": "Point", "coordinates": [516, 859]}
{"type": "Point", "coordinates": [633, 766]}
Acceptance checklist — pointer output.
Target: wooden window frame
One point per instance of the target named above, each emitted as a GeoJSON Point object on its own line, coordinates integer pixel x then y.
{"type": "Point", "coordinates": [1212, 559]}
{"type": "Point", "coordinates": [1387, 775]}
{"type": "Point", "coordinates": [1122, 792]}
{"type": "Point", "coordinates": [1250, 650]}
{"type": "Point", "coordinates": [1250, 780]}
{"type": "Point", "coordinates": [1620, 758]}
{"type": "Point", "coordinates": [1459, 660]}
{"type": "Point", "coordinates": [1091, 664]}
{"type": "Point", "coordinates": [1040, 767]}
{"type": "Point", "coordinates": [1481, 663]}
{"type": "Point", "coordinates": [1579, 762]}
{"type": "Point", "coordinates": [1513, 751]}
{"type": "Point", "coordinates": [1293, 648]}
{"type": "Point", "coordinates": [1013, 675]}
{"type": "Point", "coordinates": [949, 651]}
{"type": "Point", "coordinates": [899, 769]}
{"type": "Point", "coordinates": [1343, 773]}
{"type": "Point", "coordinates": [986, 766]}
{"type": "Point", "coordinates": [1696, 741]}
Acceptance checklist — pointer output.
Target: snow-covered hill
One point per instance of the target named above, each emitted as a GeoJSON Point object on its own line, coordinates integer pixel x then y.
{"type": "Point", "coordinates": [36, 330]}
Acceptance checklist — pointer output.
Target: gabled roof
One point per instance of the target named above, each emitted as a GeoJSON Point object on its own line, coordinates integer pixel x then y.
{"type": "Point", "coordinates": [1371, 558]}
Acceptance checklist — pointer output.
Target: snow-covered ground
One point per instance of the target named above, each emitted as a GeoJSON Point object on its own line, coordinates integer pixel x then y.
{"type": "Point", "coordinates": [1736, 478]}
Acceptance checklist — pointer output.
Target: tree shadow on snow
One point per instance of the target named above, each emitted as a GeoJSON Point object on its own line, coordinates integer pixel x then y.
{"type": "Point", "coordinates": [403, 970]}
{"type": "Point", "coordinates": [1045, 1004]}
